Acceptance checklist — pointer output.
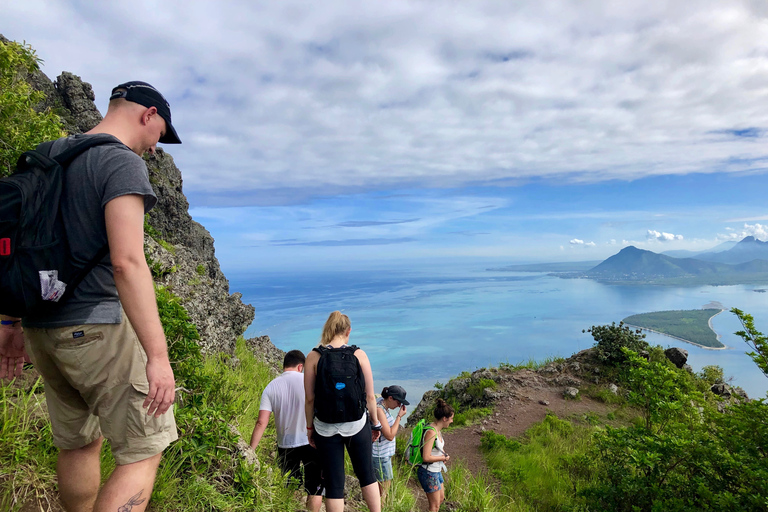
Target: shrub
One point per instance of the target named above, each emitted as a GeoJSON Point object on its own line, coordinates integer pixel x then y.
{"type": "Point", "coordinates": [611, 339]}
{"type": "Point", "coordinates": [21, 126]}
{"type": "Point", "coordinates": [476, 389]}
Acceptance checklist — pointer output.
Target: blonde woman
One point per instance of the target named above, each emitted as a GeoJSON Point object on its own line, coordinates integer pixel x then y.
{"type": "Point", "coordinates": [340, 407]}
{"type": "Point", "coordinates": [433, 452]}
{"type": "Point", "coordinates": [392, 397]}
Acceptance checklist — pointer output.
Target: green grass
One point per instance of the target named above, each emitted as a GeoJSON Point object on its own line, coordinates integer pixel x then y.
{"type": "Point", "coordinates": [201, 471]}
{"type": "Point", "coordinates": [531, 364]}
{"type": "Point", "coordinates": [27, 454]}
{"type": "Point", "coordinates": [542, 471]}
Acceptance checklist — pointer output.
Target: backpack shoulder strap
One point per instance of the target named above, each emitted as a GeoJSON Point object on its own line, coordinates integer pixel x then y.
{"type": "Point", "coordinates": [66, 156]}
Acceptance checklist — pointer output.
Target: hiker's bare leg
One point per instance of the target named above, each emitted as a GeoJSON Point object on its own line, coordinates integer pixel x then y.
{"type": "Point", "coordinates": [372, 497]}
{"type": "Point", "coordinates": [314, 502]}
{"type": "Point", "coordinates": [79, 473]}
{"type": "Point", "coordinates": [334, 504]}
{"type": "Point", "coordinates": [129, 487]}
{"type": "Point", "coordinates": [435, 499]}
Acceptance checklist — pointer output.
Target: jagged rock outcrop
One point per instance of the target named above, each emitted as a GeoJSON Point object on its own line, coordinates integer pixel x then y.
{"type": "Point", "coordinates": [183, 254]}
{"type": "Point", "coordinates": [269, 353]}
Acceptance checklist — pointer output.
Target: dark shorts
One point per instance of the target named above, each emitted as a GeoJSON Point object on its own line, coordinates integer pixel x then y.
{"type": "Point", "coordinates": [291, 461]}
{"type": "Point", "coordinates": [430, 481]}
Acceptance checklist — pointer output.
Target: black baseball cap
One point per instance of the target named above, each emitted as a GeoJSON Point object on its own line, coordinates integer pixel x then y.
{"type": "Point", "coordinates": [144, 94]}
{"type": "Point", "coordinates": [398, 394]}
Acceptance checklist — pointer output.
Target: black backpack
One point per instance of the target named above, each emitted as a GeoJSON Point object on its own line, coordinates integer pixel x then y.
{"type": "Point", "coordinates": [339, 386]}
{"type": "Point", "coordinates": [36, 269]}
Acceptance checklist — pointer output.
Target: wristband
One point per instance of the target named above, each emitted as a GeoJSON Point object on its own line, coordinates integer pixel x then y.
{"type": "Point", "coordinates": [376, 427]}
{"type": "Point", "coordinates": [9, 322]}
{"type": "Point", "coordinates": [310, 428]}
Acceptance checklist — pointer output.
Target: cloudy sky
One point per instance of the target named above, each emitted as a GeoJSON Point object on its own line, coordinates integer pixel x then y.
{"type": "Point", "coordinates": [319, 133]}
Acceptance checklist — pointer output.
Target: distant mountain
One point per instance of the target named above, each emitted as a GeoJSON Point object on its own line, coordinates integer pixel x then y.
{"type": "Point", "coordinates": [633, 264]}
{"type": "Point", "coordinates": [750, 248]}
{"type": "Point", "coordinates": [694, 254]}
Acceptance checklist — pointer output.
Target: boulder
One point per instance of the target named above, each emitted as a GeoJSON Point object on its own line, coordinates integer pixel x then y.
{"type": "Point", "coordinates": [721, 389]}
{"type": "Point", "coordinates": [570, 392]}
{"type": "Point", "coordinates": [678, 356]}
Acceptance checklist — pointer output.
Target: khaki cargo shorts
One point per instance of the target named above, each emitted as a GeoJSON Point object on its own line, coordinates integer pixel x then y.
{"type": "Point", "coordinates": [95, 384]}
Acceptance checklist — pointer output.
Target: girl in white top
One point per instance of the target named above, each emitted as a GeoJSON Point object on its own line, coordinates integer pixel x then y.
{"type": "Point", "coordinates": [433, 452]}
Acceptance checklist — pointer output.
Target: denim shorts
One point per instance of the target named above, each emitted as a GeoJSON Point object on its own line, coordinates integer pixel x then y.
{"type": "Point", "coordinates": [430, 481]}
{"type": "Point", "coordinates": [382, 466]}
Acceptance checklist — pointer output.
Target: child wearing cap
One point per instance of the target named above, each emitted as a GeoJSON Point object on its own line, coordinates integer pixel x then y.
{"type": "Point", "coordinates": [392, 397]}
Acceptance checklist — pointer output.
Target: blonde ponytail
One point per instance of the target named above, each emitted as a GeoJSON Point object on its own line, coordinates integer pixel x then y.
{"type": "Point", "coordinates": [337, 323]}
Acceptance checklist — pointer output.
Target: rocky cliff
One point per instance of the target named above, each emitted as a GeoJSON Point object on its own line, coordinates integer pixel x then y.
{"type": "Point", "coordinates": [180, 250]}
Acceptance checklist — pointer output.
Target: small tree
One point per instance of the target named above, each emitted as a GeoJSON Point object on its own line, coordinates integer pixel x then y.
{"type": "Point", "coordinates": [755, 339]}
{"type": "Point", "coordinates": [21, 127]}
{"type": "Point", "coordinates": [611, 339]}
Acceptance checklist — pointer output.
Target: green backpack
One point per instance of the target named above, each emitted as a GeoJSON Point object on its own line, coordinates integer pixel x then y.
{"type": "Point", "coordinates": [416, 442]}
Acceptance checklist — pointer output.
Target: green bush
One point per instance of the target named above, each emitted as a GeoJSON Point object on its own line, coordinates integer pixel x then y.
{"type": "Point", "coordinates": [611, 339]}
{"type": "Point", "coordinates": [21, 126]}
{"type": "Point", "coordinates": [711, 374]}
{"type": "Point", "coordinates": [476, 389]}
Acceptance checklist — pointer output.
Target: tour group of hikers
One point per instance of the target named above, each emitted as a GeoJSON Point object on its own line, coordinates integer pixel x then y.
{"type": "Point", "coordinates": [91, 328]}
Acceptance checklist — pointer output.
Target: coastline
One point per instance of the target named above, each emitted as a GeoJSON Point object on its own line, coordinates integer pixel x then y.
{"type": "Point", "coordinates": [709, 322]}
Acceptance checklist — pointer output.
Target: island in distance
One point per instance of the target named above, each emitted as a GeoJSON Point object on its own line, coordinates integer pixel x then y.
{"type": "Point", "coordinates": [692, 326]}
{"type": "Point", "coordinates": [744, 263]}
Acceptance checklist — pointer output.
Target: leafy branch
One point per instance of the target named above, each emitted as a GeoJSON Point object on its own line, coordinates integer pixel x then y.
{"type": "Point", "coordinates": [757, 341]}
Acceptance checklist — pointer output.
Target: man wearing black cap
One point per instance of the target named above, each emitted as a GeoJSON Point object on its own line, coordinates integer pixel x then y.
{"type": "Point", "coordinates": [103, 353]}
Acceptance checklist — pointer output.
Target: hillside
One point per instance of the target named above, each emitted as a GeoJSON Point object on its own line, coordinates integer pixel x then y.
{"type": "Point", "coordinates": [746, 250]}
{"type": "Point", "coordinates": [633, 265]}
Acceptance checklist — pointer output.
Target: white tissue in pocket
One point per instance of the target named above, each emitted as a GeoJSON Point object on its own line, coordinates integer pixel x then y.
{"type": "Point", "coordinates": [50, 287]}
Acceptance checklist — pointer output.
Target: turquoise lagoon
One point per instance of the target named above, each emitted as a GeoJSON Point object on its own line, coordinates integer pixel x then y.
{"type": "Point", "coordinates": [425, 326]}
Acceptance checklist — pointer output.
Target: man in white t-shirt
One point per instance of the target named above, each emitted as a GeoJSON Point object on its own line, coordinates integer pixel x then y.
{"type": "Point", "coordinates": [285, 397]}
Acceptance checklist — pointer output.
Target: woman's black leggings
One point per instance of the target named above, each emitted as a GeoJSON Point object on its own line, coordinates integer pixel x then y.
{"type": "Point", "coordinates": [331, 454]}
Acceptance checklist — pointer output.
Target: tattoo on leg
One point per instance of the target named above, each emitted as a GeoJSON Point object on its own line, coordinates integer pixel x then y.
{"type": "Point", "coordinates": [132, 502]}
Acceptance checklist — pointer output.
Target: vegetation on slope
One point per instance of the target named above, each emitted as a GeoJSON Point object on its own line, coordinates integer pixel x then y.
{"type": "Point", "coordinates": [21, 126]}
{"type": "Point", "coordinates": [688, 325]}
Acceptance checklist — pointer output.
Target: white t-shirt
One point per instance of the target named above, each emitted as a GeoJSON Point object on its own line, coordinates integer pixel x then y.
{"type": "Point", "coordinates": [284, 397]}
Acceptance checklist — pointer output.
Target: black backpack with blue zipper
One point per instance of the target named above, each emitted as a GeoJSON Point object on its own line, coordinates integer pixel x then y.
{"type": "Point", "coordinates": [339, 385]}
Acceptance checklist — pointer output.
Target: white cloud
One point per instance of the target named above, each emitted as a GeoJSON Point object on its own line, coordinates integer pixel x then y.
{"type": "Point", "coordinates": [661, 236]}
{"type": "Point", "coordinates": [756, 230]}
{"type": "Point", "coordinates": [349, 94]}
{"type": "Point", "coordinates": [582, 243]}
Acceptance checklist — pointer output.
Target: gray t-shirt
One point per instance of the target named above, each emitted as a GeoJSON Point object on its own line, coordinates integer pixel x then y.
{"type": "Point", "coordinates": [93, 179]}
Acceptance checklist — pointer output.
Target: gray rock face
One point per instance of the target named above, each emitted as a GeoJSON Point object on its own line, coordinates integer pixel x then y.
{"type": "Point", "coordinates": [263, 346]}
{"type": "Point", "coordinates": [78, 97]}
{"type": "Point", "coordinates": [419, 412]}
{"type": "Point", "coordinates": [678, 356]}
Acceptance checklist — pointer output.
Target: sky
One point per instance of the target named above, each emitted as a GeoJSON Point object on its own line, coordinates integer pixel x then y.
{"type": "Point", "coordinates": [354, 134]}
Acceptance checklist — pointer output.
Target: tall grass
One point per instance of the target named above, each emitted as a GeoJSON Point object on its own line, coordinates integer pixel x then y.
{"type": "Point", "coordinates": [27, 454]}
{"type": "Point", "coordinates": [546, 469]}
{"type": "Point", "coordinates": [531, 364]}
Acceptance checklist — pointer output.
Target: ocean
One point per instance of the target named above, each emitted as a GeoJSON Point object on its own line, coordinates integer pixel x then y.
{"type": "Point", "coordinates": [422, 326]}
